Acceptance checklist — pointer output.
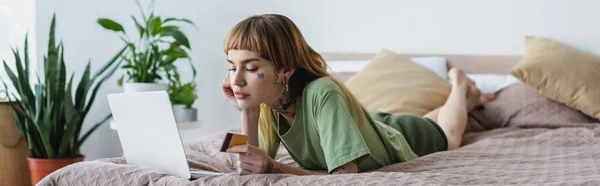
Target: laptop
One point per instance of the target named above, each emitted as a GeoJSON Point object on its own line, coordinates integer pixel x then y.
{"type": "Point", "coordinates": [148, 133]}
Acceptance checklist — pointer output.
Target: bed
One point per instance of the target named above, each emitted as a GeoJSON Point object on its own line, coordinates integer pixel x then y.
{"type": "Point", "coordinates": [531, 141]}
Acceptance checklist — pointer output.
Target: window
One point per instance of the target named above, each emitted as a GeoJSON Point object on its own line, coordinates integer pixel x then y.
{"type": "Point", "coordinates": [17, 18]}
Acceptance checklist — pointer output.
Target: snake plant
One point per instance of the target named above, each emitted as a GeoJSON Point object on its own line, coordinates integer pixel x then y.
{"type": "Point", "coordinates": [50, 112]}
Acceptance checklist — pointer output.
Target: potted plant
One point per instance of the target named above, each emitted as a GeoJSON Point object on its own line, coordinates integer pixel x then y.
{"type": "Point", "coordinates": [50, 112]}
{"type": "Point", "coordinates": [150, 61]}
{"type": "Point", "coordinates": [183, 96]}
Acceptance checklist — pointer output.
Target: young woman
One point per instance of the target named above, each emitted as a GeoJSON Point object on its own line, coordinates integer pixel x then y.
{"type": "Point", "coordinates": [286, 96]}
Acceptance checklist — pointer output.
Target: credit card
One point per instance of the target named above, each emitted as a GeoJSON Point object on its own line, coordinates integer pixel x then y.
{"type": "Point", "coordinates": [232, 139]}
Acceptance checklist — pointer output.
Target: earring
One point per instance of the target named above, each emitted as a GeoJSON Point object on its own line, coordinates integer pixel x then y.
{"type": "Point", "coordinates": [286, 87]}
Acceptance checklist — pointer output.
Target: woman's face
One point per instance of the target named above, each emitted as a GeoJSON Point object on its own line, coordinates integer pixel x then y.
{"type": "Point", "coordinates": [254, 80]}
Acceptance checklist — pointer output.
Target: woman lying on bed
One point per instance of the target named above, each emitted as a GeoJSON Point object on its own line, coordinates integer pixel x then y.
{"type": "Point", "coordinates": [285, 95]}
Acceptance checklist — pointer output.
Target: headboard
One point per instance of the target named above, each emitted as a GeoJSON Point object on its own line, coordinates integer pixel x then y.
{"type": "Point", "coordinates": [483, 64]}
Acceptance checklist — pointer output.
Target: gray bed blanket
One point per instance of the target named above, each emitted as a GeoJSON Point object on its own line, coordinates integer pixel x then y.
{"type": "Point", "coordinates": [568, 155]}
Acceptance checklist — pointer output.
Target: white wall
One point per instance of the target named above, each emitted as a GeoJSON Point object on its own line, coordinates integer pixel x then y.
{"type": "Point", "coordinates": [17, 18]}
{"type": "Point", "coordinates": [425, 26]}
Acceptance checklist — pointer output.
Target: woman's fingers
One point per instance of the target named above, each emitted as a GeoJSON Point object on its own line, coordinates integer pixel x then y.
{"type": "Point", "coordinates": [243, 171]}
{"type": "Point", "coordinates": [247, 168]}
{"type": "Point", "coordinates": [227, 91]}
{"type": "Point", "coordinates": [226, 86]}
{"type": "Point", "coordinates": [249, 158]}
{"type": "Point", "coordinates": [250, 167]}
{"type": "Point", "coordinates": [241, 149]}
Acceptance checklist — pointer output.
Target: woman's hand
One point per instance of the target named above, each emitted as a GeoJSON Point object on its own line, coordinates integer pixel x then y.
{"type": "Point", "coordinates": [228, 93]}
{"type": "Point", "coordinates": [254, 160]}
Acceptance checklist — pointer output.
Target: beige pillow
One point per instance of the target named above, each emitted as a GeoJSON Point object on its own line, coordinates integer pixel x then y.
{"type": "Point", "coordinates": [393, 83]}
{"type": "Point", "coordinates": [562, 73]}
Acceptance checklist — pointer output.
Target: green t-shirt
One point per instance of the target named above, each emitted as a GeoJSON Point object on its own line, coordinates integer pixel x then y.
{"type": "Point", "coordinates": [324, 135]}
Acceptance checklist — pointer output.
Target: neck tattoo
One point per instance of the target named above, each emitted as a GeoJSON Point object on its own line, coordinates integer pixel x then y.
{"type": "Point", "coordinates": [284, 103]}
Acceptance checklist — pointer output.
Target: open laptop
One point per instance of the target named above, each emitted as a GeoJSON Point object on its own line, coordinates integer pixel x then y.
{"type": "Point", "coordinates": [149, 134]}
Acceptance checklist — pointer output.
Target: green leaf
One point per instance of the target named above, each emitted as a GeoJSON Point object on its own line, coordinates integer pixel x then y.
{"type": "Point", "coordinates": [12, 77]}
{"type": "Point", "coordinates": [20, 121]}
{"type": "Point", "coordinates": [178, 35]}
{"type": "Point", "coordinates": [48, 111]}
{"type": "Point", "coordinates": [44, 136]}
{"type": "Point", "coordinates": [155, 25]}
{"type": "Point", "coordinates": [52, 51]}
{"type": "Point", "coordinates": [16, 113]}
{"type": "Point", "coordinates": [181, 20]}
{"type": "Point", "coordinates": [193, 70]}
{"type": "Point", "coordinates": [97, 87]}
{"type": "Point", "coordinates": [57, 128]}
{"type": "Point", "coordinates": [66, 146]}
{"type": "Point", "coordinates": [174, 52]}
{"type": "Point", "coordinates": [169, 28]}
{"type": "Point", "coordinates": [110, 25]}
{"type": "Point", "coordinates": [26, 92]}
{"type": "Point", "coordinates": [139, 27]}
{"type": "Point", "coordinates": [141, 10]}
{"type": "Point", "coordinates": [129, 62]}
{"type": "Point", "coordinates": [71, 116]}
{"type": "Point", "coordinates": [26, 55]}
{"type": "Point", "coordinates": [90, 131]}
{"type": "Point", "coordinates": [183, 94]}
{"type": "Point", "coordinates": [120, 81]}
{"type": "Point", "coordinates": [110, 62]}
{"type": "Point", "coordinates": [168, 61]}
{"type": "Point", "coordinates": [51, 64]}
{"type": "Point", "coordinates": [56, 84]}
{"type": "Point", "coordinates": [22, 89]}
{"type": "Point", "coordinates": [82, 88]}
{"type": "Point", "coordinates": [24, 123]}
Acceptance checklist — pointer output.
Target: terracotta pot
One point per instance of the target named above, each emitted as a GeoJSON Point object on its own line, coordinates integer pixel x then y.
{"type": "Point", "coordinates": [40, 168]}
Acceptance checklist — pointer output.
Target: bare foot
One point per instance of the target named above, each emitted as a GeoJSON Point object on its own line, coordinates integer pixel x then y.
{"type": "Point", "coordinates": [473, 98]}
{"type": "Point", "coordinates": [485, 98]}
{"type": "Point", "coordinates": [459, 79]}
{"type": "Point", "coordinates": [465, 84]}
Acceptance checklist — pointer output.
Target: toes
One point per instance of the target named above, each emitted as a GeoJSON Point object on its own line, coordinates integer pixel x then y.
{"type": "Point", "coordinates": [475, 91]}
{"type": "Point", "coordinates": [487, 98]}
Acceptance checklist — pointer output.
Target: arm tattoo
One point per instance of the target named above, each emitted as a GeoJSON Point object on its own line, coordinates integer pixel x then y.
{"type": "Point", "coordinates": [271, 168]}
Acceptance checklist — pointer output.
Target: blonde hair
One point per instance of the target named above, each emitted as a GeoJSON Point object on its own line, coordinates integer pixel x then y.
{"type": "Point", "coordinates": [277, 39]}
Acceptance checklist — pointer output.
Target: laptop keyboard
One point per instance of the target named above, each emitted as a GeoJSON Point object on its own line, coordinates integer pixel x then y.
{"type": "Point", "coordinates": [203, 172]}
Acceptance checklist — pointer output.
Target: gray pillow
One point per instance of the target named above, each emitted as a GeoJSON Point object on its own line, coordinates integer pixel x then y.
{"type": "Point", "coordinates": [519, 105]}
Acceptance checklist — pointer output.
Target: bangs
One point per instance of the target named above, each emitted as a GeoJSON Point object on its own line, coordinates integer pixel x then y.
{"type": "Point", "coordinates": [246, 36]}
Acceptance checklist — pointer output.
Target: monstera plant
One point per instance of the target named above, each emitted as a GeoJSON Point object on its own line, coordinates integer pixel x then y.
{"type": "Point", "coordinates": [50, 111]}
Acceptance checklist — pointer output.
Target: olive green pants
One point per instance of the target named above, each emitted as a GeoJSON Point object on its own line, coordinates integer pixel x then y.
{"type": "Point", "coordinates": [422, 134]}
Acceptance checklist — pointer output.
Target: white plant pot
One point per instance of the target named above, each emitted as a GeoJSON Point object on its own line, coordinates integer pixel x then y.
{"type": "Point", "coordinates": [143, 87]}
{"type": "Point", "coordinates": [185, 115]}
